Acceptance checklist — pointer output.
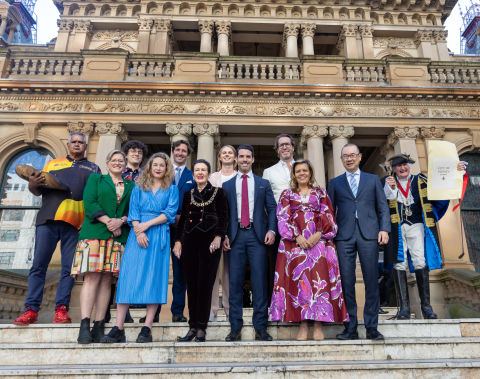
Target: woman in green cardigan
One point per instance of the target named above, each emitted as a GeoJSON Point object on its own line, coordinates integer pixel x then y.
{"type": "Point", "coordinates": [101, 242]}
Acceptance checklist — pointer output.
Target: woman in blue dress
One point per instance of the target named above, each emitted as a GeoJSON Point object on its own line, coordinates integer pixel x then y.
{"type": "Point", "coordinates": [144, 271]}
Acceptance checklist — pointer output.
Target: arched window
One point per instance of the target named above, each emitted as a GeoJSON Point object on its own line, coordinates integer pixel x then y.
{"type": "Point", "coordinates": [18, 210]}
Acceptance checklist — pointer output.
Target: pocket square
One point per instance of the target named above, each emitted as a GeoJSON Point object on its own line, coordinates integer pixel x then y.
{"type": "Point", "coordinates": [189, 181]}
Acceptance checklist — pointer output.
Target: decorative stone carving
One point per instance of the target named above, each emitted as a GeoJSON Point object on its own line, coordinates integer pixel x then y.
{"type": "Point", "coordinates": [310, 131]}
{"type": "Point", "coordinates": [366, 31]}
{"type": "Point", "coordinates": [206, 26]}
{"type": "Point", "coordinates": [343, 131]}
{"type": "Point", "coordinates": [223, 27]}
{"type": "Point", "coordinates": [423, 35]}
{"type": "Point", "coordinates": [64, 25]}
{"type": "Point", "coordinates": [145, 24]}
{"type": "Point", "coordinates": [349, 30]}
{"type": "Point", "coordinates": [86, 128]}
{"type": "Point", "coordinates": [31, 132]}
{"type": "Point", "coordinates": [291, 30]}
{"type": "Point", "coordinates": [163, 25]}
{"type": "Point", "coordinates": [440, 36]}
{"type": "Point", "coordinates": [308, 30]}
{"type": "Point", "coordinates": [111, 128]}
{"type": "Point", "coordinates": [174, 129]}
{"type": "Point", "coordinates": [115, 35]}
{"type": "Point", "coordinates": [82, 26]}
{"type": "Point", "coordinates": [205, 129]}
{"type": "Point", "coordinates": [406, 132]}
{"type": "Point", "coordinates": [432, 132]}
{"type": "Point", "coordinates": [393, 43]}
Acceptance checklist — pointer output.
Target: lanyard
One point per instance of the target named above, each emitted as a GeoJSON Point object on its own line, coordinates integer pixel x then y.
{"type": "Point", "coordinates": [404, 192]}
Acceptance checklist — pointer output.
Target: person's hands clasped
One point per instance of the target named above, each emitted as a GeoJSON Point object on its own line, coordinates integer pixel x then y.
{"type": "Point", "coordinates": [302, 242]}
{"type": "Point", "coordinates": [382, 237]}
{"type": "Point", "coordinates": [117, 232]}
{"type": "Point", "coordinates": [215, 245]}
{"type": "Point", "coordinates": [177, 249]}
{"type": "Point", "coordinates": [140, 228]}
{"type": "Point", "coordinates": [314, 238]}
{"type": "Point", "coordinates": [114, 224]}
{"type": "Point", "coordinates": [269, 238]}
{"type": "Point", "coordinates": [142, 240]}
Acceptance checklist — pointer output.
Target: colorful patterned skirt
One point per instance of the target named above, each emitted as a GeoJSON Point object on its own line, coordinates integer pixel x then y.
{"type": "Point", "coordinates": [94, 255]}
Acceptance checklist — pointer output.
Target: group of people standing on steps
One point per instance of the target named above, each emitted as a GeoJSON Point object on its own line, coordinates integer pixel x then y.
{"type": "Point", "coordinates": [301, 241]}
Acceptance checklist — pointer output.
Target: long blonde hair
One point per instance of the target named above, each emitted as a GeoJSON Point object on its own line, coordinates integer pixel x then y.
{"type": "Point", "coordinates": [145, 180]}
{"type": "Point", "coordinates": [219, 162]}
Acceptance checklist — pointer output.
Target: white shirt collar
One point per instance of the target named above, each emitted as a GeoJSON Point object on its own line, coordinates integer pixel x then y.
{"type": "Point", "coordinates": [249, 174]}
{"type": "Point", "coordinates": [354, 173]}
{"type": "Point", "coordinates": [284, 164]}
{"type": "Point", "coordinates": [180, 167]}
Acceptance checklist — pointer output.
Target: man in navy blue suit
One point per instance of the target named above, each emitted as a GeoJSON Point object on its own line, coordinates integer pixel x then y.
{"type": "Point", "coordinates": [252, 225]}
{"type": "Point", "coordinates": [363, 220]}
{"type": "Point", "coordinates": [183, 179]}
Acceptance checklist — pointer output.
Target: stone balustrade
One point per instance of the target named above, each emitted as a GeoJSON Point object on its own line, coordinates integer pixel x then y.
{"type": "Point", "coordinates": [150, 68]}
{"type": "Point", "coordinates": [256, 68]}
{"type": "Point", "coordinates": [45, 64]}
{"type": "Point", "coordinates": [364, 71]}
{"type": "Point", "coordinates": [451, 73]}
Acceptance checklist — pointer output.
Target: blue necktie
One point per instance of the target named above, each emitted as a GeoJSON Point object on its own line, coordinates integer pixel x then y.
{"type": "Point", "coordinates": [177, 175]}
{"type": "Point", "coordinates": [353, 184]}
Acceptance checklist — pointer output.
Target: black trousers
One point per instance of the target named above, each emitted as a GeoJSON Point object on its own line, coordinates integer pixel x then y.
{"type": "Point", "coordinates": [200, 269]}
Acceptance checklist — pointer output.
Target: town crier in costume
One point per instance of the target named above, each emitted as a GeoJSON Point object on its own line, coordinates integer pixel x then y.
{"type": "Point", "coordinates": [414, 237]}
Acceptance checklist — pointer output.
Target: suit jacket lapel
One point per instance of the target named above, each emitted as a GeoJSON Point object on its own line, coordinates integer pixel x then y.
{"type": "Point", "coordinates": [183, 178]}
{"type": "Point", "coordinates": [347, 184]}
{"type": "Point", "coordinates": [109, 181]}
{"type": "Point", "coordinates": [361, 184]}
{"type": "Point", "coordinates": [233, 194]}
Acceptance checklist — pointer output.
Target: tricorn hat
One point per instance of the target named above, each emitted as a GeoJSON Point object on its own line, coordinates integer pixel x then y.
{"type": "Point", "coordinates": [400, 159]}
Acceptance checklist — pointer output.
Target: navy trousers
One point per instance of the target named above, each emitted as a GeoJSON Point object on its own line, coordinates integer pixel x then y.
{"type": "Point", "coordinates": [46, 239]}
{"type": "Point", "coordinates": [347, 256]}
{"type": "Point", "coordinates": [246, 245]}
{"type": "Point", "coordinates": [179, 287]}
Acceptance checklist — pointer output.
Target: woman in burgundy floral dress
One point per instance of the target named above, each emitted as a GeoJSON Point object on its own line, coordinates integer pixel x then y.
{"type": "Point", "coordinates": [307, 279]}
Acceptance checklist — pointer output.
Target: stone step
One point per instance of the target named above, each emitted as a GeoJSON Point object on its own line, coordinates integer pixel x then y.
{"type": "Point", "coordinates": [217, 331]}
{"type": "Point", "coordinates": [450, 368]}
{"type": "Point", "coordinates": [28, 354]}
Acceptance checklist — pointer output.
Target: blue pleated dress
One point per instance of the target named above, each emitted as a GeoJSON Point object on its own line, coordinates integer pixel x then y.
{"type": "Point", "coordinates": [143, 275]}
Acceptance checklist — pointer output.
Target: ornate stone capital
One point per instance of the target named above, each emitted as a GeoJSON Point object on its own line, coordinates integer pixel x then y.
{"type": "Point", "coordinates": [145, 24]}
{"type": "Point", "coordinates": [405, 132]}
{"type": "Point", "coordinates": [223, 27]}
{"type": "Point", "coordinates": [163, 25]}
{"type": "Point", "coordinates": [64, 25]}
{"type": "Point", "coordinates": [206, 26]}
{"type": "Point", "coordinates": [349, 30]}
{"type": "Point", "coordinates": [81, 126]}
{"type": "Point", "coordinates": [111, 128]}
{"type": "Point", "coordinates": [291, 30]}
{"type": "Point", "coordinates": [310, 131]}
{"type": "Point", "coordinates": [423, 35]}
{"type": "Point", "coordinates": [82, 26]}
{"type": "Point", "coordinates": [174, 129]}
{"type": "Point", "coordinates": [205, 129]}
{"type": "Point", "coordinates": [308, 30]}
{"type": "Point", "coordinates": [31, 131]}
{"type": "Point", "coordinates": [432, 132]}
{"type": "Point", "coordinates": [366, 31]}
{"type": "Point", "coordinates": [343, 131]}
{"type": "Point", "coordinates": [440, 36]}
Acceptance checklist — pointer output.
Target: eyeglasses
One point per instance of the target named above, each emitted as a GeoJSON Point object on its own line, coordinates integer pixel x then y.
{"type": "Point", "coordinates": [78, 141]}
{"type": "Point", "coordinates": [286, 144]}
{"type": "Point", "coordinates": [133, 152]}
{"type": "Point", "coordinates": [349, 156]}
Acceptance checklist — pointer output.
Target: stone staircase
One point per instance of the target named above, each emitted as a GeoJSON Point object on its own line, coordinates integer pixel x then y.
{"type": "Point", "coordinates": [431, 348]}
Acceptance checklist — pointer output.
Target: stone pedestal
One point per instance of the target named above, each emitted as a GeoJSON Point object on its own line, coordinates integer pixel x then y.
{"type": "Point", "coordinates": [339, 135]}
{"type": "Point", "coordinates": [313, 135]}
{"type": "Point", "coordinates": [102, 65]}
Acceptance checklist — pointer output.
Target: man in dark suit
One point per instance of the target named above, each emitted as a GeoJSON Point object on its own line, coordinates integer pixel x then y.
{"type": "Point", "coordinates": [252, 225]}
{"type": "Point", "coordinates": [183, 179]}
{"type": "Point", "coordinates": [363, 222]}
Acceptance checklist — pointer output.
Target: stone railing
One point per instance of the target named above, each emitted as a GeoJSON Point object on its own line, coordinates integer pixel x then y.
{"type": "Point", "coordinates": [462, 292]}
{"type": "Point", "coordinates": [45, 64]}
{"type": "Point", "coordinates": [148, 68]}
{"type": "Point", "coordinates": [454, 73]}
{"type": "Point", "coordinates": [258, 68]}
{"type": "Point", "coordinates": [364, 71]}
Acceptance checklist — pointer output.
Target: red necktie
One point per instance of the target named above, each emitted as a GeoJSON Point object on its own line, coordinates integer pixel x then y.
{"type": "Point", "coordinates": [245, 214]}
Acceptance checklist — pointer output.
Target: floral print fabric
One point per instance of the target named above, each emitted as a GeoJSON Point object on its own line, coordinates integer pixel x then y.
{"type": "Point", "coordinates": [307, 283]}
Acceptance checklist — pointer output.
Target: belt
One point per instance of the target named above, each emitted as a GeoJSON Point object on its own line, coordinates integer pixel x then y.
{"type": "Point", "coordinates": [249, 226]}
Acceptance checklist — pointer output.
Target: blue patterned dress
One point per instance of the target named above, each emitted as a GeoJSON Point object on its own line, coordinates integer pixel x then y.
{"type": "Point", "coordinates": [143, 275]}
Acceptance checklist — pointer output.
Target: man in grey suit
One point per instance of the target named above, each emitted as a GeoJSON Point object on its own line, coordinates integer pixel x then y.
{"type": "Point", "coordinates": [363, 220]}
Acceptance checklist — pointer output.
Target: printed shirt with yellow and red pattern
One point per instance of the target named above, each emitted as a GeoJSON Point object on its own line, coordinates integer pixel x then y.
{"type": "Point", "coordinates": [66, 206]}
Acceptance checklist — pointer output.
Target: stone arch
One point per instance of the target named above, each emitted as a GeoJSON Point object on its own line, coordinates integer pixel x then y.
{"type": "Point", "coordinates": [389, 52]}
{"type": "Point", "coordinates": [344, 14]}
{"type": "Point", "coordinates": [312, 12]}
{"type": "Point", "coordinates": [402, 19]}
{"type": "Point", "coordinates": [185, 8]}
{"type": "Point", "coordinates": [374, 17]}
{"type": "Point", "coordinates": [359, 14]}
{"type": "Point", "coordinates": [249, 10]}
{"type": "Point", "coordinates": [111, 45]}
{"type": "Point", "coordinates": [74, 10]}
{"type": "Point", "coordinates": [152, 8]}
{"type": "Point", "coordinates": [121, 10]}
{"type": "Point", "coordinates": [297, 11]}
{"type": "Point", "coordinates": [136, 10]}
{"type": "Point", "coordinates": [328, 13]}
{"type": "Point", "coordinates": [265, 11]}
{"type": "Point", "coordinates": [465, 144]}
{"type": "Point", "coordinates": [105, 10]}
{"type": "Point", "coordinates": [90, 10]}
{"type": "Point", "coordinates": [281, 11]}
{"type": "Point", "coordinates": [167, 8]}
{"type": "Point", "coordinates": [233, 10]}
{"type": "Point", "coordinates": [388, 18]}
{"type": "Point", "coordinates": [200, 9]}
{"type": "Point", "coordinates": [416, 19]}
{"type": "Point", "coordinates": [431, 20]}
{"type": "Point", "coordinates": [217, 9]}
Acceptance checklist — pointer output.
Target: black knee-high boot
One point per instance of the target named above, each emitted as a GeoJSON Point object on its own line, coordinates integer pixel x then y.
{"type": "Point", "coordinates": [84, 335]}
{"type": "Point", "coordinates": [401, 287]}
{"type": "Point", "coordinates": [423, 284]}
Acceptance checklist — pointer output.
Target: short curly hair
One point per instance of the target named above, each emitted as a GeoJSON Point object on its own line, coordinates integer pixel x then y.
{"type": "Point", "coordinates": [135, 144]}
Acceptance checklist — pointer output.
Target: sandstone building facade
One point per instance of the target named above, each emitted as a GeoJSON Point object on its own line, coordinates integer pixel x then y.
{"type": "Point", "coordinates": [376, 73]}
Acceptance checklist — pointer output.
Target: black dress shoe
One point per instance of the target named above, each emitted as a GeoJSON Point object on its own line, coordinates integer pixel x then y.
{"type": "Point", "coordinates": [84, 334]}
{"type": "Point", "coordinates": [115, 335]}
{"type": "Point", "coordinates": [381, 311]}
{"type": "Point", "coordinates": [128, 318]}
{"type": "Point", "coordinates": [234, 335]}
{"type": "Point", "coordinates": [348, 335]}
{"type": "Point", "coordinates": [262, 335]}
{"type": "Point", "coordinates": [374, 334]}
{"type": "Point", "coordinates": [179, 318]}
{"type": "Point", "coordinates": [189, 336]}
{"type": "Point", "coordinates": [200, 337]}
{"type": "Point", "coordinates": [145, 335]}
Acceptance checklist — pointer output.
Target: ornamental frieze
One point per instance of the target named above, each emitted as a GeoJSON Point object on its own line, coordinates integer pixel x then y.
{"type": "Point", "coordinates": [393, 42]}
{"type": "Point", "coordinates": [107, 35]}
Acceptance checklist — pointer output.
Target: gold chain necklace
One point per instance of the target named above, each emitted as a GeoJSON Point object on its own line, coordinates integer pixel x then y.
{"type": "Point", "coordinates": [204, 204]}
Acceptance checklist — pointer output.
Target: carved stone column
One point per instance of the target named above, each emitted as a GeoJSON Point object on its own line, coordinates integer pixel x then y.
{"type": "Point", "coordinates": [366, 31]}
{"type": "Point", "coordinates": [206, 31]}
{"type": "Point", "coordinates": [224, 29]}
{"type": "Point", "coordinates": [178, 131]}
{"type": "Point", "coordinates": [403, 140]}
{"type": "Point", "coordinates": [423, 41]}
{"type": "Point", "coordinates": [112, 134]}
{"type": "Point", "coordinates": [339, 135]}
{"type": "Point", "coordinates": [85, 127]}
{"type": "Point", "coordinates": [348, 40]}
{"type": "Point", "coordinates": [144, 29]}
{"type": "Point", "coordinates": [314, 134]}
{"type": "Point", "coordinates": [308, 32]}
{"type": "Point", "coordinates": [3, 25]}
{"type": "Point", "coordinates": [206, 133]}
{"type": "Point", "coordinates": [440, 38]}
{"type": "Point", "coordinates": [82, 31]}
{"type": "Point", "coordinates": [290, 34]}
{"type": "Point", "coordinates": [64, 29]}
{"type": "Point", "coordinates": [163, 37]}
